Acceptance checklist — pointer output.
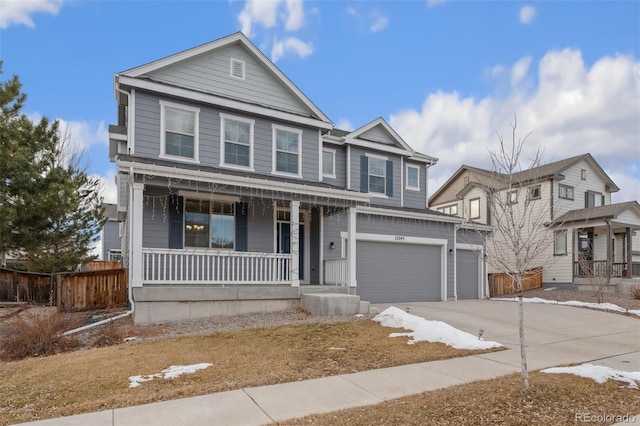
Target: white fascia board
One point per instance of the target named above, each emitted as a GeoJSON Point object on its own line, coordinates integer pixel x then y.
{"type": "Point", "coordinates": [241, 181]}
{"type": "Point", "coordinates": [336, 140]}
{"type": "Point", "coordinates": [407, 215]}
{"type": "Point", "coordinates": [381, 122]}
{"type": "Point", "coordinates": [378, 147]}
{"type": "Point", "coordinates": [423, 158]}
{"type": "Point", "coordinates": [223, 102]}
{"type": "Point", "coordinates": [476, 227]}
{"type": "Point", "coordinates": [117, 137]}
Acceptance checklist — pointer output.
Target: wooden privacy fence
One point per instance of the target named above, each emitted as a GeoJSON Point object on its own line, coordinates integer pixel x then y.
{"type": "Point", "coordinates": [27, 287]}
{"type": "Point", "coordinates": [503, 284]}
{"type": "Point", "coordinates": [69, 291]}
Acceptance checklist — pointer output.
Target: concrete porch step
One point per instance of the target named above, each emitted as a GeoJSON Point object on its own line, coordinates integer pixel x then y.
{"type": "Point", "coordinates": [325, 304]}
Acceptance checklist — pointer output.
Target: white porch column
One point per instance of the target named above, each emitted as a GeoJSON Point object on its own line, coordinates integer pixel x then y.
{"type": "Point", "coordinates": [135, 234]}
{"type": "Point", "coordinates": [295, 243]}
{"type": "Point", "coordinates": [629, 252]}
{"type": "Point", "coordinates": [351, 235]}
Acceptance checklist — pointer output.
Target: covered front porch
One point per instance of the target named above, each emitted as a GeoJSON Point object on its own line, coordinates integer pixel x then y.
{"type": "Point", "coordinates": [605, 246]}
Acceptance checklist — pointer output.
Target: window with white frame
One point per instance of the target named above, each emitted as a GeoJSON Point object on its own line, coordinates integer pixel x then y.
{"type": "Point", "coordinates": [512, 197]}
{"type": "Point", "coordinates": [451, 209]}
{"type": "Point", "coordinates": [377, 175]}
{"type": "Point", "coordinates": [560, 243]}
{"type": "Point", "coordinates": [565, 192]}
{"type": "Point", "coordinates": [329, 162]}
{"type": "Point", "coordinates": [287, 150]}
{"type": "Point", "coordinates": [179, 137]}
{"type": "Point", "coordinates": [237, 141]}
{"type": "Point", "coordinates": [209, 224]}
{"type": "Point", "coordinates": [474, 208]}
{"type": "Point", "coordinates": [413, 177]}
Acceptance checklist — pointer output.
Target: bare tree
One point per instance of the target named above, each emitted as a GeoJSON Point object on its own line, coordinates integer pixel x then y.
{"type": "Point", "coordinates": [520, 212]}
{"type": "Point", "coordinates": [598, 275]}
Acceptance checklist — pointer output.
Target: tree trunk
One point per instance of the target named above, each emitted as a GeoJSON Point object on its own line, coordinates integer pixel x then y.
{"type": "Point", "coordinates": [523, 351]}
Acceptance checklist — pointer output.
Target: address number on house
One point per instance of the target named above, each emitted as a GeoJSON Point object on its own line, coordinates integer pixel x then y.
{"type": "Point", "coordinates": [399, 238]}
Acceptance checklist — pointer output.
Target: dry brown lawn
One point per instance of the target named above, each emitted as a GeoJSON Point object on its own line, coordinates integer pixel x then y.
{"type": "Point", "coordinates": [98, 379]}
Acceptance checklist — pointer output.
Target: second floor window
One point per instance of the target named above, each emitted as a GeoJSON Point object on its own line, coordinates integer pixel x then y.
{"type": "Point", "coordinates": [179, 131]}
{"type": "Point", "coordinates": [565, 192]}
{"type": "Point", "coordinates": [377, 175]}
{"type": "Point", "coordinates": [452, 209]}
{"type": "Point", "coordinates": [329, 163]}
{"type": "Point", "coordinates": [237, 142]}
{"type": "Point", "coordinates": [593, 199]}
{"type": "Point", "coordinates": [474, 208]}
{"type": "Point", "coordinates": [413, 177]}
{"type": "Point", "coordinates": [286, 148]}
{"type": "Point", "coordinates": [534, 192]}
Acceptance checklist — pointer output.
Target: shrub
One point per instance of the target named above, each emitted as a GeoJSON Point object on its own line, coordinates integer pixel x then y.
{"type": "Point", "coordinates": [635, 292]}
{"type": "Point", "coordinates": [38, 335]}
{"type": "Point", "coordinates": [108, 335]}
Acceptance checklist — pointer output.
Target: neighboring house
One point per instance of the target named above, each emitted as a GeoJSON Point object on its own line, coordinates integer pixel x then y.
{"type": "Point", "coordinates": [576, 192]}
{"type": "Point", "coordinates": [112, 233]}
{"type": "Point", "coordinates": [240, 195]}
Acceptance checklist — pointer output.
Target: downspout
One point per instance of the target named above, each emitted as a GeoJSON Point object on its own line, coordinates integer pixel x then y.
{"type": "Point", "coordinates": [455, 259]}
{"type": "Point", "coordinates": [129, 288]}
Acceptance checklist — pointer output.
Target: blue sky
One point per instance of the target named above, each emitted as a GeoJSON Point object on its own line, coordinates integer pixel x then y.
{"type": "Point", "coordinates": [447, 75]}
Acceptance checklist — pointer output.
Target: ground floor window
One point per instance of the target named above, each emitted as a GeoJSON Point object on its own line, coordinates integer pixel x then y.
{"type": "Point", "coordinates": [209, 224]}
{"type": "Point", "coordinates": [560, 246]}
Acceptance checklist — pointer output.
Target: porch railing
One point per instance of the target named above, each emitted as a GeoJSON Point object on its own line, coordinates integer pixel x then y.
{"type": "Point", "coordinates": [336, 271]}
{"type": "Point", "coordinates": [600, 268]}
{"type": "Point", "coordinates": [191, 266]}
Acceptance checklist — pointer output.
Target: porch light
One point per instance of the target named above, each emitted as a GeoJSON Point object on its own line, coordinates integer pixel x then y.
{"type": "Point", "coordinates": [332, 245]}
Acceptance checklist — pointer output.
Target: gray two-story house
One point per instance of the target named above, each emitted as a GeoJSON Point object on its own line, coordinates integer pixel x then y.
{"type": "Point", "coordinates": [240, 195]}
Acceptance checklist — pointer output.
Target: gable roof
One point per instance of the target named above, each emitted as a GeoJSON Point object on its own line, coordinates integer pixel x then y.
{"type": "Point", "coordinates": [609, 211]}
{"type": "Point", "coordinates": [493, 179]}
{"type": "Point", "coordinates": [142, 72]}
{"type": "Point", "coordinates": [366, 133]}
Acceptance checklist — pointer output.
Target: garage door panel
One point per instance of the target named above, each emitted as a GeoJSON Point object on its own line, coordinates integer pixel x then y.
{"type": "Point", "coordinates": [467, 274]}
{"type": "Point", "coordinates": [394, 272]}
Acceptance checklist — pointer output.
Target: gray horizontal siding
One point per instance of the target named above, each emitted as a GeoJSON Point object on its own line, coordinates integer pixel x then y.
{"type": "Point", "coordinates": [155, 230]}
{"type": "Point", "coordinates": [211, 73]}
{"type": "Point", "coordinates": [415, 199]}
{"type": "Point", "coordinates": [147, 137]}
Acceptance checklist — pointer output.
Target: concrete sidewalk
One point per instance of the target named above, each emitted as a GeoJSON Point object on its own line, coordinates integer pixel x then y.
{"type": "Point", "coordinates": [558, 335]}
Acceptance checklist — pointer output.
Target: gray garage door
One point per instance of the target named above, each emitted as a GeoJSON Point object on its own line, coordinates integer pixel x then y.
{"type": "Point", "coordinates": [388, 272]}
{"type": "Point", "coordinates": [467, 274]}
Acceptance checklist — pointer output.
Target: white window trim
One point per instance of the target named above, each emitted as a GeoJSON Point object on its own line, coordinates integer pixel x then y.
{"type": "Point", "coordinates": [561, 233]}
{"type": "Point", "coordinates": [274, 131]}
{"type": "Point", "coordinates": [244, 70]}
{"type": "Point", "coordinates": [385, 159]}
{"type": "Point", "coordinates": [333, 166]}
{"type": "Point", "coordinates": [196, 132]}
{"type": "Point", "coordinates": [223, 118]}
{"type": "Point", "coordinates": [412, 188]}
{"type": "Point", "coordinates": [479, 205]}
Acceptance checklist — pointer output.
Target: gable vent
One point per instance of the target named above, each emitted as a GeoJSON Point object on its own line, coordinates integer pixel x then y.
{"type": "Point", "coordinates": [237, 68]}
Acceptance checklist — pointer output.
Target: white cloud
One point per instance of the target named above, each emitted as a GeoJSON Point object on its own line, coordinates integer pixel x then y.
{"type": "Point", "coordinates": [291, 44]}
{"type": "Point", "coordinates": [263, 12]}
{"type": "Point", "coordinates": [109, 189]}
{"type": "Point", "coordinates": [352, 11]}
{"type": "Point", "coordinates": [433, 3]}
{"type": "Point", "coordinates": [573, 109]}
{"type": "Point", "coordinates": [519, 70]}
{"type": "Point", "coordinates": [267, 13]}
{"type": "Point", "coordinates": [18, 12]}
{"type": "Point", "coordinates": [527, 13]}
{"type": "Point", "coordinates": [84, 134]}
{"type": "Point", "coordinates": [379, 23]}
{"type": "Point", "coordinates": [295, 15]}
{"type": "Point", "coordinates": [344, 124]}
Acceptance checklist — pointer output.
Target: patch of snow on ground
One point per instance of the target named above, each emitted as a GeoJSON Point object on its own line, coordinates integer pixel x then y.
{"type": "Point", "coordinates": [601, 306]}
{"type": "Point", "coordinates": [168, 373]}
{"type": "Point", "coordinates": [430, 331]}
{"type": "Point", "coordinates": [599, 373]}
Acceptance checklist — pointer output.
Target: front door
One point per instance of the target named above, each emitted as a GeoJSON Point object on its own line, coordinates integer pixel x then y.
{"type": "Point", "coordinates": [284, 243]}
{"type": "Point", "coordinates": [585, 245]}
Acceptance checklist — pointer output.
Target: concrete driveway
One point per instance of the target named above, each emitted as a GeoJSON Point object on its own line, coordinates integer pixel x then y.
{"type": "Point", "coordinates": [554, 334]}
